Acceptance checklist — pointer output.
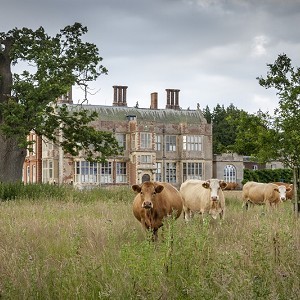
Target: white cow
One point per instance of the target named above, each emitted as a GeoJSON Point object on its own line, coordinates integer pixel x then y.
{"type": "Point", "coordinates": [203, 197]}
{"type": "Point", "coordinates": [263, 193]}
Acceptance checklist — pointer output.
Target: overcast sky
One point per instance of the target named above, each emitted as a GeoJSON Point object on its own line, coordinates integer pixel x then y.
{"type": "Point", "coordinates": [212, 50]}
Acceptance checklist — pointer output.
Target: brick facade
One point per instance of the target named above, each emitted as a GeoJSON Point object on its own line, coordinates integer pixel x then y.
{"type": "Point", "coordinates": [170, 144]}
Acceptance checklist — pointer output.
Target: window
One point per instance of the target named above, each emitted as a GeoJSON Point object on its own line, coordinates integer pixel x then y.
{"type": "Point", "coordinates": [121, 172]}
{"type": "Point", "coordinates": [255, 167]}
{"type": "Point", "coordinates": [192, 170]}
{"type": "Point", "coordinates": [145, 140]}
{"type": "Point", "coordinates": [192, 142]}
{"type": "Point", "coordinates": [106, 173]}
{"type": "Point", "coordinates": [28, 174]}
{"type": "Point", "coordinates": [158, 139]}
{"type": "Point", "coordinates": [171, 172]}
{"type": "Point", "coordinates": [158, 171]}
{"type": "Point", "coordinates": [86, 172]}
{"type": "Point", "coordinates": [230, 173]}
{"type": "Point", "coordinates": [33, 174]}
{"type": "Point", "coordinates": [145, 159]}
{"type": "Point", "coordinates": [133, 141]}
{"type": "Point", "coordinates": [171, 143]}
{"type": "Point", "coordinates": [121, 138]}
{"type": "Point", "coordinates": [47, 170]}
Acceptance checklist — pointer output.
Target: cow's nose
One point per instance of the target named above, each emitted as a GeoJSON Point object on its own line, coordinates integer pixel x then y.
{"type": "Point", "coordinates": [147, 204]}
{"type": "Point", "coordinates": [214, 198]}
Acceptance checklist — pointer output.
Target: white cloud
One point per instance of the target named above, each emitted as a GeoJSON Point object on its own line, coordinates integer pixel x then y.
{"type": "Point", "coordinates": [259, 45]}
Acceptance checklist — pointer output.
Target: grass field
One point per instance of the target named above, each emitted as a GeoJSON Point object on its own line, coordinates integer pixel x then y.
{"type": "Point", "coordinates": [89, 246]}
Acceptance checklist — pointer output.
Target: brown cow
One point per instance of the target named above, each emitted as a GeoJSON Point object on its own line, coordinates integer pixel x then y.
{"type": "Point", "coordinates": [263, 193]}
{"type": "Point", "coordinates": [289, 193]}
{"type": "Point", "coordinates": [154, 202]}
{"type": "Point", "coordinates": [231, 186]}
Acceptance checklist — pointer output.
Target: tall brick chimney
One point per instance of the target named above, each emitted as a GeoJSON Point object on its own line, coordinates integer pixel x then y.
{"type": "Point", "coordinates": [120, 95]}
{"type": "Point", "coordinates": [172, 99]}
{"type": "Point", "coordinates": [154, 98]}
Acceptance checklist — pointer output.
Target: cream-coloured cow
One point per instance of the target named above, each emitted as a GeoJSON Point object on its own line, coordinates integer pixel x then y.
{"type": "Point", "coordinates": [203, 197]}
{"type": "Point", "coordinates": [289, 189]}
{"type": "Point", "coordinates": [263, 193]}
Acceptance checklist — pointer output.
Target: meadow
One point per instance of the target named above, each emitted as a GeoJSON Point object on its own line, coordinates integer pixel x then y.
{"type": "Point", "coordinates": [66, 244]}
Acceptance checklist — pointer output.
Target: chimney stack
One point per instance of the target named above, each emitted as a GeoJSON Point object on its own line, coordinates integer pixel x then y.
{"type": "Point", "coordinates": [172, 99]}
{"type": "Point", "coordinates": [67, 98]}
{"type": "Point", "coordinates": [120, 95]}
{"type": "Point", "coordinates": [153, 104]}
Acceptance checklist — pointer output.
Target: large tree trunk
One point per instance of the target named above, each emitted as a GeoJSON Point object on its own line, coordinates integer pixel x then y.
{"type": "Point", "coordinates": [11, 156]}
{"type": "Point", "coordinates": [11, 160]}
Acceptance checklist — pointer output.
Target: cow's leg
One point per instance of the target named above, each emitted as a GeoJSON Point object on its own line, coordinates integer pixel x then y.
{"type": "Point", "coordinates": [186, 214]}
{"type": "Point", "coordinates": [222, 214]}
{"type": "Point", "coordinates": [154, 235]}
{"type": "Point", "coordinates": [270, 206]}
{"type": "Point", "coordinates": [246, 205]}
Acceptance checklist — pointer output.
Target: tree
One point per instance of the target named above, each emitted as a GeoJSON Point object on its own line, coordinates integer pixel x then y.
{"type": "Point", "coordinates": [253, 131]}
{"type": "Point", "coordinates": [28, 100]}
{"type": "Point", "coordinates": [286, 80]}
{"type": "Point", "coordinates": [224, 122]}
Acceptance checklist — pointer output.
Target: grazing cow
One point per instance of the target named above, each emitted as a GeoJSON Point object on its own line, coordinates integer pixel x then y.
{"type": "Point", "coordinates": [203, 197]}
{"type": "Point", "coordinates": [263, 193]}
{"type": "Point", "coordinates": [154, 202]}
{"type": "Point", "coordinates": [231, 186]}
{"type": "Point", "coordinates": [289, 193]}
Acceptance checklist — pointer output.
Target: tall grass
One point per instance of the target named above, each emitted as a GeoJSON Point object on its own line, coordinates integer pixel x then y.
{"type": "Point", "coordinates": [87, 245]}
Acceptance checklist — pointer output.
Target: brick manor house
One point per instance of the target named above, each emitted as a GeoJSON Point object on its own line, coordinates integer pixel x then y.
{"type": "Point", "coordinates": [170, 144]}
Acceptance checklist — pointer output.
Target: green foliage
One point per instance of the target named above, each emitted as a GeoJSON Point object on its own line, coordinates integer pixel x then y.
{"type": "Point", "coordinates": [28, 100]}
{"type": "Point", "coordinates": [11, 191]}
{"type": "Point", "coordinates": [286, 80]}
{"type": "Point", "coordinates": [38, 192]}
{"type": "Point", "coordinates": [253, 131]}
{"type": "Point", "coordinates": [226, 123]}
{"type": "Point", "coordinates": [268, 175]}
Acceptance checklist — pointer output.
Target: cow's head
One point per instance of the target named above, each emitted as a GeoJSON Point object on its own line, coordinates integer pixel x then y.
{"type": "Point", "coordinates": [148, 191]}
{"type": "Point", "coordinates": [214, 185]}
{"type": "Point", "coordinates": [281, 189]}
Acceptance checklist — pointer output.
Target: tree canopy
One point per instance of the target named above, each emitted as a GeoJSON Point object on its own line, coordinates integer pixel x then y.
{"type": "Point", "coordinates": [28, 100]}
{"type": "Point", "coordinates": [225, 123]}
{"type": "Point", "coordinates": [286, 80]}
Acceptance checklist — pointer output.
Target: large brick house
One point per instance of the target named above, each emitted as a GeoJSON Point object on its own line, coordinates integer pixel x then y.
{"type": "Point", "coordinates": [170, 144]}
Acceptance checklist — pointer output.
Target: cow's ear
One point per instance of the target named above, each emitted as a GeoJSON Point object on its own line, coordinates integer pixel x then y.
{"type": "Point", "coordinates": [136, 188]}
{"type": "Point", "coordinates": [159, 188]}
{"type": "Point", "coordinates": [205, 184]}
{"type": "Point", "coordinates": [288, 189]}
{"type": "Point", "coordinates": [223, 184]}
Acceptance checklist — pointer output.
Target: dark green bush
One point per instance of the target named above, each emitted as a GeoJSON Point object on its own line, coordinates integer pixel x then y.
{"type": "Point", "coordinates": [268, 175]}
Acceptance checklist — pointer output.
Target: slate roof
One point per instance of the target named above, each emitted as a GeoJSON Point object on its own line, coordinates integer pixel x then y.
{"type": "Point", "coordinates": [119, 113]}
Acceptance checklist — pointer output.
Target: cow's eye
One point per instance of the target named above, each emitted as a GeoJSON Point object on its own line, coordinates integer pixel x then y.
{"type": "Point", "coordinates": [141, 193]}
{"type": "Point", "coordinates": [154, 193]}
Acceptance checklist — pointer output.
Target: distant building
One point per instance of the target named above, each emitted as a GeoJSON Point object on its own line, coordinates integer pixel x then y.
{"type": "Point", "coordinates": [229, 167]}
{"type": "Point", "coordinates": [32, 167]}
{"type": "Point", "coordinates": [168, 144]}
